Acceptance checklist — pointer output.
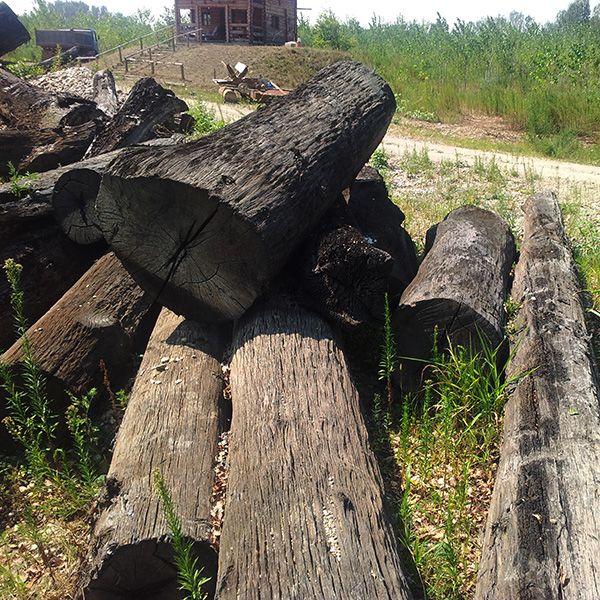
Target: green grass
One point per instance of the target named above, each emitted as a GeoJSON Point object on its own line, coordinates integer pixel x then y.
{"type": "Point", "coordinates": [205, 120]}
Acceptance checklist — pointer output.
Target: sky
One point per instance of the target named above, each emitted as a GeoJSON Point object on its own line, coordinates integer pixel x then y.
{"type": "Point", "coordinates": [423, 10]}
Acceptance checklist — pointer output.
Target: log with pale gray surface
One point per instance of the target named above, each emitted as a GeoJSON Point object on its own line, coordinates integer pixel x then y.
{"type": "Point", "coordinates": [461, 285]}
{"type": "Point", "coordinates": [304, 514]}
{"type": "Point", "coordinates": [206, 228]}
{"type": "Point", "coordinates": [542, 539]}
{"type": "Point", "coordinates": [172, 423]}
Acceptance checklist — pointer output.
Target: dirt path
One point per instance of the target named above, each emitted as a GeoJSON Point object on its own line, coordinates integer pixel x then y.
{"type": "Point", "coordinates": [397, 146]}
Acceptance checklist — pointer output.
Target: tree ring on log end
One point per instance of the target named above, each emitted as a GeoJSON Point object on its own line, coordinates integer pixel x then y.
{"type": "Point", "coordinates": [196, 280]}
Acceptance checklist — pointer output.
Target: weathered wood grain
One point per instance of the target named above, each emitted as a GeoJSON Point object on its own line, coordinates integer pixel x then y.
{"type": "Point", "coordinates": [205, 228]}
{"type": "Point", "coordinates": [172, 423]}
{"type": "Point", "coordinates": [304, 515]}
{"type": "Point", "coordinates": [542, 539]}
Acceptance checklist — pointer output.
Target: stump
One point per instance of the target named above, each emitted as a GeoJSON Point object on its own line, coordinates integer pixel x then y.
{"type": "Point", "coordinates": [147, 107]}
{"type": "Point", "coordinates": [205, 228]}
{"type": "Point", "coordinates": [96, 319]}
{"type": "Point", "coordinates": [542, 540]}
{"type": "Point", "coordinates": [105, 92]}
{"type": "Point", "coordinates": [304, 513]}
{"type": "Point", "coordinates": [460, 287]}
{"type": "Point", "coordinates": [172, 423]}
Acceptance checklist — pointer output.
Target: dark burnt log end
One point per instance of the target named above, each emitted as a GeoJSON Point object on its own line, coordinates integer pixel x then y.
{"type": "Point", "coordinates": [304, 496]}
{"type": "Point", "coordinates": [51, 265]}
{"type": "Point", "coordinates": [542, 539]}
{"type": "Point", "coordinates": [460, 288]}
{"type": "Point", "coordinates": [172, 423]}
{"type": "Point", "coordinates": [148, 106]}
{"type": "Point", "coordinates": [12, 32]}
{"type": "Point", "coordinates": [206, 228]}
{"type": "Point", "coordinates": [341, 275]}
{"type": "Point", "coordinates": [380, 220]}
{"type": "Point", "coordinates": [96, 319]}
{"type": "Point", "coordinates": [105, 92]}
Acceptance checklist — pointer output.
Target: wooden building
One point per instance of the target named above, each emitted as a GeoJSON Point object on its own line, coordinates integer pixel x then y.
{"type": "Point", "coordinates": [245, 21]}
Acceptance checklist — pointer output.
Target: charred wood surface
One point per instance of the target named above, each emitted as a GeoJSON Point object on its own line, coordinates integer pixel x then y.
{"type": "Point", "coordinates": [380, 220]}
{"type": "Point", "coordinates": [96, 319]}
{"type": "Point", "coordinates": [172, 423]}
{"type": "Point", "coordinates": [304, 511]}
{"type": "Point", "coordinates": [147, 107]}
{"type": "Point", "coordinates": [461, 285]}
{"type": "Point", "coordinates": [205, 228]}
{"type": "Point", "coordinates": [12, 32]}
{"type": "Point", "coordinates": [542, 538]}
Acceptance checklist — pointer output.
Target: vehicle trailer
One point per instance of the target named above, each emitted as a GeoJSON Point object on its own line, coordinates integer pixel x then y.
{"type": "Point", "coordinates": [83, 42]}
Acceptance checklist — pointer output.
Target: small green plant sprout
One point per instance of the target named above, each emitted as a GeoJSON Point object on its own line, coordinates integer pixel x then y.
{"type": "Point", "coordinates": [189, 575]}
{"type": "Point", "coordinates": [20, 184]}
{"type": "Point", "coordinates": [387, 363]}
{"type": "Point", "coordinates": [380, 160]}
{"type": "Point", "coordinates": [205, 121]}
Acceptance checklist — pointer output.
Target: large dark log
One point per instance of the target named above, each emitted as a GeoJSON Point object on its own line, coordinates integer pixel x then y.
{"type": "Point", "coordinates": [461, 285]}
{"type": "Point", "coordinates": [304, 512]}
{"type": "Point", "coordinates": [147, 107]}
{"type": "Point", "coordinates": [380, 220]}
{"type": "Point", "coordinates": [542, 539]}
{"type": "Point", "coordinates": [12, 31]}
{"type": "Point", "coordinates": [205, 228]}
{"type": "Point", "coordinates": [341, 274]}
{"type": "Point", "coordinates": [96, 319]}
{"type": "Point", "coordinates": [51, 265]}
{"type": "Point", "coordinates": [172, 423]}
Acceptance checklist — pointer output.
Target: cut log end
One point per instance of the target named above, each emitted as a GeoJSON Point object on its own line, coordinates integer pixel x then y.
{"type": "Point", "coordinates": [196, 277]}
{"type": "Point", "coordinates": [73, 201]}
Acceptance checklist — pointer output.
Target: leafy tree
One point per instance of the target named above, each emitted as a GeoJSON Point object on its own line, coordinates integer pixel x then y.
{"type": "Point", "coordinates": [329, 32]}
{"type": "Point", "coordinates": [578, 12]}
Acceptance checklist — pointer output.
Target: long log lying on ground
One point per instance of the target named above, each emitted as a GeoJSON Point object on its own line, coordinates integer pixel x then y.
{"type": "Point", "coordinates": [205, 228]}
{"type": "Point", "coordinates": [380, 220]}
{"type": "Point", "coordinates": [96, 319]}
{"type": "Point", "coordinates": [12, 32]}
{"type": "Point", "coordinates": [542, 539]}
{"type": "Point", "coordinates": [304, 512]}
{"type": "Point", "coordinates": [172, 423]}
{"type": "Point", "coordinates": [461, 285]}
{"type": "Point", "coordinates": [51, 265]}
{"type": "Point", "coordinates": [148, 106]}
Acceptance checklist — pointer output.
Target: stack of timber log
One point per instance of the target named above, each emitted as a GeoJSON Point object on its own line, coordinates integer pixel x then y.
{"type": "Point", "coordinates": [542, 538]}
{"type": "Point", "coordinates": [266, 243]}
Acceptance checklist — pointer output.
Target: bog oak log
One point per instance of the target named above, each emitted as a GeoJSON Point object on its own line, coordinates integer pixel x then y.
{"type": "Point", "coordinates": [304, 511]}
{"type": "Point", "coordinates": [206, 227]}
{"type": "Point", "coordinates": [542, 539]}
{"type": "Point", "coordinates": [461, 285]}
{"type": "Point", "coordinates": [96, 319]}
{"type": "Point", "coordinates": [172, 423]}
{"type": "Point", "coordinates": [51, 265]}
{"type": "Point", "coordinates": [148, 106]}
{"type": "Point", "coordinates": [341, 274]}
{"type": "Point", "coordinates": [380, 220]}
{"type": "Point", "coordinates": [105, 92]}
{"type": "Point", "coordinates": [12, 31]}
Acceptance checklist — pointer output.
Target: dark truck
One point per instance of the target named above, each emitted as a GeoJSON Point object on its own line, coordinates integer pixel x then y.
{"type": "Point", "coordinates": [73, 43]}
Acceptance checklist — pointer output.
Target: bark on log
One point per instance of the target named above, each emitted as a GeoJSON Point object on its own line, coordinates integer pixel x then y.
{"type": "Point", "coordinates": [172, 423]}
{"type": "Point", "coordinates": [380, 220]}
{"type": "Point", "coordinates": [12, 32]}
{"type": "Point", "coordinates": [147, 107]}
{"type": "Point", "coordinates": [304, 511]}
{"type": "Point", "coordinates": [105, 92]}
{"type": "Point", "coordinates": [342, 275]}
{"type": "Point", "coordinates": [96, 319]}
{"type": "Point", "coordinates": [51, 265]}
{"type": "Point", "coordinates": [542, 538]}
{"type": "Point", "coordinates": [461, 285]}
{"type": "Point", "coordinates": [205, 228]}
